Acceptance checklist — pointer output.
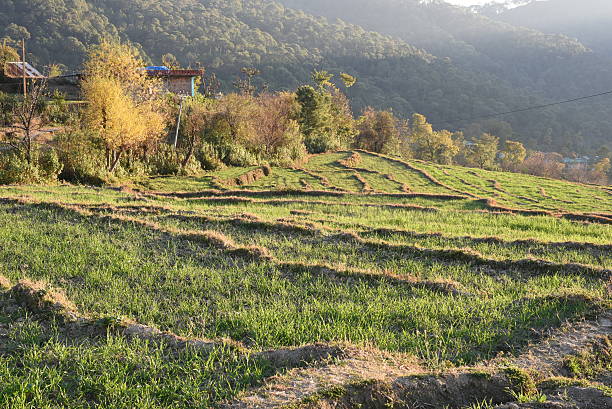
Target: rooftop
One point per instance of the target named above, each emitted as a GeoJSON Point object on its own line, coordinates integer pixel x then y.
{"type": "Point", "coordinates": [16, 70]}
{"type": "Point", "coordinates": [166, 72]}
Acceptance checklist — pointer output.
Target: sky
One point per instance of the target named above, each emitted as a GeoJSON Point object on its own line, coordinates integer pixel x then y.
{"type": "Point", "coordinates": [468, 2]}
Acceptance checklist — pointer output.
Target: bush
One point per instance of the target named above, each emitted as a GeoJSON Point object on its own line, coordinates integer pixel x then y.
{"type": "Point", "coordinates": [238, 155]}
{"type": "Point", "coordinates": [168, 161]}
{"type": "Point", "coordinates": [209, 158]}
{"type": "Point", "coordinates": [7, 102]}
{"type": "Point", "coordinates": [43, 168]}
{"type": "Point", "coordinates": [56, 110]}
{"type": "Point", "coordinates": [191, 168]}
{"type": "Point", "coordinates": [49, 165]}
{"type": "Point", "coordinates": [82, 158]}
{"type": "Point", "coordinates": [165, 161]}
{"type": "Point", "coordinates": [15, 170]}
{"type": "Point", "coordinates": [320, 144]}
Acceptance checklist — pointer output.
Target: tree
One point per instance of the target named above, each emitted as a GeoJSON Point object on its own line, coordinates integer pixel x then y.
{"type": "Point", "coordinates": [325, 118]}
{"type": "Point", "coordinates": [170, 61]}
{"type": "Point", "coordinates": [426, 144]}
{"type": "Point", "coordinates": [379, 131]}
{"type": "Point", "coordinates": [26, 119]}
{"type": "Point", "coordinates": [245, 84]}
{"type": "Point", "coordinates": [512, 155]}
{"type": "Point", "coordinates": [322, 78]}
{"type": "Point", "coordinates": [7, 54]}
{"type": "Point", "coordinates": [199, 114]}
{"type": "Point", "coordinates": [544, 164]}
{"type": "Point", "coordinates": [122, 107]}
{"type": "Point", "coordinates": [601, 171]}
{"type": "Point", "coordinates": [276, 125]}
{"type": "Point", "coordinates": [348, 80]}
{"type": "Point", "coordinates": [483, 151]}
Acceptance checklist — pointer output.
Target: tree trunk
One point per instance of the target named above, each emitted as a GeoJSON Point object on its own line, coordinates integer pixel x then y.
{"type": "Point", "coordinates": [115, 162]}
{"type": "Point", "coordinates": [189, 154]}
{"type": "Point", "coordinates": [28, 147]}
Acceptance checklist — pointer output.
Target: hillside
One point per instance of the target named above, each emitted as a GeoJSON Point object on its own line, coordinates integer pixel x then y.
{"type": "Point", "coordinates": [550, 66]}
{"type": "Point", "coordinates": [355, 279]}
{"type": "Point", "coordinates": [481, 78]}
{"type": "Point", "coordinates": [587, 20]}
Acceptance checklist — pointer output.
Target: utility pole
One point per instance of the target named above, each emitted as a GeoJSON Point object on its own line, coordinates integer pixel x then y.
{"type": "Point", "coordinates": [23, 69]}
{"type": "Point", "coordinates": [178, 122]}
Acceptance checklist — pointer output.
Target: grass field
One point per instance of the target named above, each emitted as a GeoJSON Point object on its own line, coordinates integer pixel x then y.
{"type": "Point", "coordinates": [353, 260]}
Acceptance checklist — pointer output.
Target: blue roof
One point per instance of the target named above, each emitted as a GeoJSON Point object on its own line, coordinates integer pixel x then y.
{"type": "Point", "coordinates": [158, 68]}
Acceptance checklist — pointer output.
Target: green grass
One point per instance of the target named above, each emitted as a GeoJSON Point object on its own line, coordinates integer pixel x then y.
{"type": "Point", "coordinates": [40, 367]}
{"type": "Point", "coordinates": [110, 268]}
{"type": "Point", "coordinates": [524, 191]}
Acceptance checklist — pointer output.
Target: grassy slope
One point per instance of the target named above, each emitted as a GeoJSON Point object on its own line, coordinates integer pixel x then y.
{"type": "Point", "coordinates": [342, 267]}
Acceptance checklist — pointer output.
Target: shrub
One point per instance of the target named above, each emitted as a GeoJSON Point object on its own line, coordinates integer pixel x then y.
{"type": "Point", "coordinates": [7, 102]}
{"type": "Point", "coordinates": [82, 158]}
{"type": "Point", "coordinates": [237, 155]}
{"type": "Point", "coordinates": [191, 168]}
{"type": "Point", "coordinates": [57, 111]}
{"type": "Point", "coordinates": [49, 165]}
{"type": "Point", "coordinates": [15, 170]}
{"type": "Point", "coordinates": [168, 161]}
{"type": "Point", "coordinates": [43, 168]}
{"type": "Point", "coordinates": [209, 158]}
{"type": "Point", "coordinates": [320, 144]}
{"type": "Point", "coordinates": [165, 161]}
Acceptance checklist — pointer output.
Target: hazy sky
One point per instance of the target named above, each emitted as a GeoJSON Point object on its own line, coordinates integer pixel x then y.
{"type": "Point", "coordinates": [468, 2]}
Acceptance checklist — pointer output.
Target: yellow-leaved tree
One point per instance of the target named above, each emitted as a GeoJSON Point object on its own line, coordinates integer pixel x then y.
{"type": "Point", "coordinates": [123, 107]}
{"type": "Point", "coordinates": [430, 145]}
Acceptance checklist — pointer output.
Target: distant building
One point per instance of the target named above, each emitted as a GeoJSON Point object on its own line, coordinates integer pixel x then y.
{"type": "Point", "coordinates": [12, 74]}
{"type": "Point", "coordinates": [577, 163]}
{"type": "Point", "coordinates": [19, 70]}
{"type": "Point", "coordinates": [180, 82]}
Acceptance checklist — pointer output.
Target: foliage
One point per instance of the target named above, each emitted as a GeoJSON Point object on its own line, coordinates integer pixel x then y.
{"type": "Point", "coordinates": [325, 118]}
{"type": "Point", "coordinates": [483, 151]}
{"type": "Point", "coordinates": [379, 131]}
{"type": "Point", "coordinates": [7, 104]}
{"type": "Point", "coordinates": [167, 161]}
{"type": "Point", "coordinates": [42, 167]}
{"type": "Point", "coordinates": [512, 155]}
{"type": "Point", "coordinates": [208, 158]}
{"type": "Point", "coordinates": [482, 56]}
{"type": "Point", "coordinates": [7, 54]}
{"type": "Point", "coordinates": [430, 145]}
{"type": "Point", "coordinates": [121, 106]}
{"type": "Point", "coordinates": [287, 44]}
{"type": "Point", "coordinates": [544, 164]}
{"type": "Point", "coordinates": [82, 157]}
{"type": "Point", "coordinates": [277, 135]}
{"type": "Point", "coordinates": [56, 110]}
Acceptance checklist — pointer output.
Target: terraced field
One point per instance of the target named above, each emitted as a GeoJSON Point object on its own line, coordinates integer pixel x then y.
{"type": "Point", "coordinates": [355, 279]}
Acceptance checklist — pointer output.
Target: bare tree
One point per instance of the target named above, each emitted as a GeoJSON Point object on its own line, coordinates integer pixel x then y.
{"type": "Point", "coordinates": [27, 120]}
{"type": "Point", "coordinates": [245, 84]}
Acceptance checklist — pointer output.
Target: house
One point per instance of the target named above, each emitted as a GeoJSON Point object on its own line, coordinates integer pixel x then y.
{"type": "Point", "coordinates": [13, 74]}
{"type": "Point", "coordinates": [180, 82]}
{"type": "Point", "coordinates": [19, 70]}
{"type": "Point", "coordinates": [577, 163]}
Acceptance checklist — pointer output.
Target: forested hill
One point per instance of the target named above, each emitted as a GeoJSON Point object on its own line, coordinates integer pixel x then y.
{"type": "Point", "coordinates": [522, 56]}
{"type": "Point", "coordinates": [587, 20]}
{"type": "Point", "coordinates": [493, 67]}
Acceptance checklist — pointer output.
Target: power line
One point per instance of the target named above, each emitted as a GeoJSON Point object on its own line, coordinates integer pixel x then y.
{"type": "Point", "coordinates": [451, 122]}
